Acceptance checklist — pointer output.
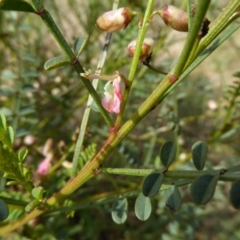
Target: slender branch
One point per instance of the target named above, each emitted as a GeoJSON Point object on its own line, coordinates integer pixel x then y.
{"type": "Point", "coordinates": [141, 35]}
{"type": "Point", "coordinates": [90, 169]}
{"type": "Point", "coordinates": [192, 36]}
{"type": "Point", "coordinates": [222, 21]}
{"type": "Point", "coordinates": [184, 174]}
{"type": "Point", "coordinates": [87, 111]}
{"type": "Point", "coordinates": [48, 20]}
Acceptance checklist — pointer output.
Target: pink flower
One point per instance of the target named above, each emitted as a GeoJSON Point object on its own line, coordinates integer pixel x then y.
{"type": "Point", "coordinates": [44, 166]}
{"type": "Point", "coordinates": [115, 20]}
{"type": "Point", "coordinates": [113, 95]}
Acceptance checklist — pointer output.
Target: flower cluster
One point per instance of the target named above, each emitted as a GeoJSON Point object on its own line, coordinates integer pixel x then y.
{"type": "Point", "coordinates": [116, 20]}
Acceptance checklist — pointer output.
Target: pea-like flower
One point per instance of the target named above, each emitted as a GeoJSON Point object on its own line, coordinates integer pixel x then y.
{"type": "Point", "coordinates": [44, 166]}
{"type": "Point", "coordinates": [113, 93]}
{"type": "Point", "coordinates": [147, 47]}
{"type": "Point", "coordinates": [175, 18]}
{"type": "Point", "coordinates": [115, 20]}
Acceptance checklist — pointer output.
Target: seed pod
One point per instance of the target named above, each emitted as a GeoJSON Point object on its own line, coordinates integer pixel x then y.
{"type": "Point", "coordinates": [147, 47]}
{"type": "Point", "coordinates": [175, 18]}
{"type": "Point", "coordinates": [115, 20]}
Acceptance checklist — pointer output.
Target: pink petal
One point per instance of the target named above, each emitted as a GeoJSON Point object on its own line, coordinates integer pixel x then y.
{"type": "Point", "coordinates": [113, 96]}
{"type": "Point", "coordinates": [44, 167]}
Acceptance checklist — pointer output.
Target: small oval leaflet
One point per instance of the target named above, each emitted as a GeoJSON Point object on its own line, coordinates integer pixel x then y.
{"type": "Point", "coordinates": [199, 154]}
{"type": "Point", "coordinates": [9, 140]}
{"type": "Point", "coordinates": [173, 199]}
{"type": "Point", "coordinates": [235, 194]}
{"type": "Point", "coordinates": [3, 210]}
{"type": "Point", "coordinates": [16, 5]}
{"type": "Point", "coordinates": [3, 126]}
{"type": "Point", "coordinates": [143, 207]}
{"type": "Point", "coordinates": [167, 153]}
{"type": "Point", "coordinates": [229, 134]}
{"type": "Point", "coordinates": [80, 44]}
{"type": "Point", "coordinates": [119, 210]}
{"type": "Point", "coordinates": [38, 192]}
{"type": "Point", "coordinates": [152, 184]}
{"type": "Point", "coordinates": [203, 188]}
{"type": "Point", "coordinates": [56, 63]}
{"type": "Point", "coordinates": [22, 154]}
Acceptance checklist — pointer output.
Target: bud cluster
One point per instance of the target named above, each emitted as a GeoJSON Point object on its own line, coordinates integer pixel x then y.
{"type": "Point", "coordinates": [116, 20]}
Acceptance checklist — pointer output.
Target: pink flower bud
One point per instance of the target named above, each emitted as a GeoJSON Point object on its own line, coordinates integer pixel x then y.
{"type": "Point", "coordinates": [175, 18]}
{"type": "Point", "coordinates": [115, 20]}
{"type": "Point", "coordinates": [113, 92]}
{"type": "Point", "coordinates": [44, 166]}
{"type": "Point", "coordinates": [147, 47]}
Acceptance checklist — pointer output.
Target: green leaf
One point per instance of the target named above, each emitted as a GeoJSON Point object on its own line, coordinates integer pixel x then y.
{"type": "Point", "coordinates": [30, 207]}
{"type": "Point", "coordinates": [173, 199]}
{"type": "Point", "coordinates": [22, 154]}
{"type": "Point", "coordinates": [30, 74]}
{"type": "Point", "coordinates": [3, 126]}
{"type": "Point", "coordinates": [199, 154]}
{"type": "Point", "coordinates": [167, 153]}
{"type": "Point", "coordinates": [229, 134]}
{"type": "Point", "coordinates": [152, 184]}
{"type": "Point", "coordinates": [11, 183]}
{"type": "Point", "coordinates": [56, 63]}
{"type": "Point", "coordinates": [9, 136]}
{"type": "Point", "coordinates": [29, 58]}
{"type": "Point", "coordinates": [16, 5]}
{"type": "Point", "coordinates": [3, 210]}
{"type": "Point", "coordinates": [143, 207]}
{"type": "Point", "coordinates": [26, 110]}
{"type": "Point", "coordinates": [80, 44]}
{"type": "Point", "coordinates": [9, 175]}
{"type": "Point", "coordinates": [203, 188]}
{"type": "Point", "coordinates": [38, 192]}
{"type": "Point", "coordinates": [119, 210]}
{"type": "Point", "coordinates": [26, 88]}
{"type": "Point", "coordinates": [235, 194]}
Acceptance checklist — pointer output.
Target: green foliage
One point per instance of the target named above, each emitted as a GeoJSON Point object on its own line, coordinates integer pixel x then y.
{"type": "Point", "coordinates": [167, 153]}
{"type": "Point", "coordinates": [203, 188]}
{"type": "Point", "coordinates": [173, 199]}
{"type": "Point", "coordinates": [56, 62]}
{"type": "Point", "coordinates": [87, 154]}
{"type": "Point", "coordinates": [3, 210]}
{"type": "Point", "coordinates": [10, 163]}
{"type": "Point", "coordinates": [152, 184]}
{"type": "Point", "coordinates": [119, 210]}
{"type": "Point", "coordinates": [234, 194]}
{"type": "Point", "coordinates": [143, 207]}
{"type": "Point", "coordinates": [43, 105]}
{"type": "Point", "coordinates": [199, 154]}
{"type": "Point", "coordinates": [16, 5]}
{"type": "Point", "coordinates": [79, 44]}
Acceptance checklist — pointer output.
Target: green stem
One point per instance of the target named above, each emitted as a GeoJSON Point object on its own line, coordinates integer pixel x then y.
{"type": "Point", "coordinates": [184, 174]}
{"type": "Point", "coordinates": [87, 111]}
{"type": "Point", "coordinates": [192, 36]}
{"type": "Point", "coordinates": [141, 35]}
{"type": "Point", "coordinates": [222, 21]}
{"type": "Point", "coordinates": [88, 171]}
{"type": "Point", "coordinates": [47, 19]}
{"type": "Point", "coordinates": [190, 4]}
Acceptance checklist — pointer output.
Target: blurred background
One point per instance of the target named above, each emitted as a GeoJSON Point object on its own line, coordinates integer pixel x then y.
{"type": "Point", "coordinates": [46, 108]}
